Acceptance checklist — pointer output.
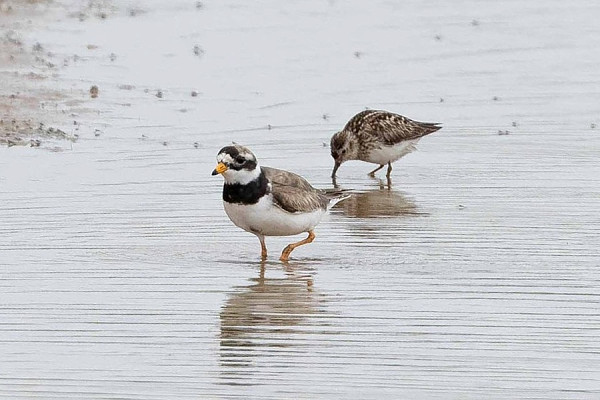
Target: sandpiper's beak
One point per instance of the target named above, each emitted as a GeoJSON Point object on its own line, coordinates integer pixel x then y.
{"type": "Point", "coordinates": [335, 168]}
{"type": "Point", "coordinates": [220, 169]}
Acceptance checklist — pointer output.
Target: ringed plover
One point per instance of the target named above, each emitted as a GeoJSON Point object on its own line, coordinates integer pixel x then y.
{"type": "Point", "coordinates": [268, 201]}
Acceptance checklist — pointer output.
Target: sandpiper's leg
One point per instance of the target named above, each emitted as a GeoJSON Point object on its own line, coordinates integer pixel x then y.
{"type": "Point", "coordinates": [372, 173]}
{"type": "Point", "coordinates": [263, 247]}
{"type": "Point", "coordinates": [389, 172]}
{"type": "Point", "coordinates": [285, 255]}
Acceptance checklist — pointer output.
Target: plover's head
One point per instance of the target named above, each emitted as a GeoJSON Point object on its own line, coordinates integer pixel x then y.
{"type": "Point", "coordinates": [342, 149]}
{"type": "Point", "coordinates": [237, 164]}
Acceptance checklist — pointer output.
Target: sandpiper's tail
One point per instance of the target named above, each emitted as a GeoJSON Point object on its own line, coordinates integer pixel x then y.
{"type": "Point", "coordinates": [425, 128]}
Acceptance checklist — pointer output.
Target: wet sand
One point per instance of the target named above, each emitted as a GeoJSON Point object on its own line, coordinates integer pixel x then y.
{"type": "Point", "coordinates": [475, 276]}
{"type": "Point", "coordinates": [37, 109]}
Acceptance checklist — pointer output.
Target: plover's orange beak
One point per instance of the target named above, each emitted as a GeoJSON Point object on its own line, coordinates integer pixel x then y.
{"type": "Point", "coordinates": [220, 169]}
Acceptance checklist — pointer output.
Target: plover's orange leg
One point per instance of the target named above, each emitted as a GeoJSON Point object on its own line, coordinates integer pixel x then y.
{"type": "Point", "coordinates": [389, 172]}
{"type": "Point", "coordinates": [372, 173]}
{"type": "Point", "coordinates": [263, 247]}
{"type": "Point", "coordinates": [285, 255]}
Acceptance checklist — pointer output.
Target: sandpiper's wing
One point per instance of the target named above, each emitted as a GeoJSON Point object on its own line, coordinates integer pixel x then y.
{"type": "Point", "coordinates": [388, 127]}
{"type": "Point", "coordinates": [293, 193]}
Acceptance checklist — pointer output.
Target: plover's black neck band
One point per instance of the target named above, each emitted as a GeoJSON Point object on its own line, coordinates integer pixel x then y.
{"type": "Point", "coordinates": [249, 193]}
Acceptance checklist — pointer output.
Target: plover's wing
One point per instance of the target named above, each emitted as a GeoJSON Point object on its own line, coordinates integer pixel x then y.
{"type": "Point", "coordinates": [294, 199]}
{"type": "Point", "coordinates": [293, 193]}
{"type": "Point", "coordinates": [286, 178]}
{"type": "Point", "coordinates": [391, 128]}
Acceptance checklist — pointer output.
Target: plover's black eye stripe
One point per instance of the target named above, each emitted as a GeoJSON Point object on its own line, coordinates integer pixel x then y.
{"type": "Point", "coordinates": [237, 158]}
{"type": "Point", "coordinates": [230, 150]}
{"type": "Point", "coordinates": [250, 165]}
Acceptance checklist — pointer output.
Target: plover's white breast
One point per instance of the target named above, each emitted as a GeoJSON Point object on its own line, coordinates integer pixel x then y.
{"type": "Point", "coordinates": [267, 219]}
{"type": "Point", "coordinates": [385, 154]}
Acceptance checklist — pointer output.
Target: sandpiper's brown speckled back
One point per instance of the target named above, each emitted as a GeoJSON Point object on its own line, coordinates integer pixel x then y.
{"type": "Point", "coordinates": [387, 127]}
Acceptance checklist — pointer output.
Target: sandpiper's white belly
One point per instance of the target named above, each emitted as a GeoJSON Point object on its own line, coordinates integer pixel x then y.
{"type": "Point", "coordinates": [265, 218]}
{"type": "Point", "coordinates": [386, 154]}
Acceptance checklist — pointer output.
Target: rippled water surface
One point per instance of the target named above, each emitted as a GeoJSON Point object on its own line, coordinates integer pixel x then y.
{"type": "Point", "coordinates": [475, 276]}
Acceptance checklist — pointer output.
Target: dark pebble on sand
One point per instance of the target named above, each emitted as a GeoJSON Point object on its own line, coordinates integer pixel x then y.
{"type": "Point", "coordinates": [94, 91]}
{"type": "Point", "coordinates": [199, 51]}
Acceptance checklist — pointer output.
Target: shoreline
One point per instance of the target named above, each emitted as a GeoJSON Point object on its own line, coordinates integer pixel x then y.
{"type": "Point", "coordinates": [35, 106]}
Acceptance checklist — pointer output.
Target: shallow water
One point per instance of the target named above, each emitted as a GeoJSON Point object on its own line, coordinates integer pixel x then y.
{"type": "Point", "coordinates": [475, 276]}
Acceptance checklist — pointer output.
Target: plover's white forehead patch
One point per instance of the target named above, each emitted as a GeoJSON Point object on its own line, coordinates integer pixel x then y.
{"type": "Point", "coordinates": [225, 158]}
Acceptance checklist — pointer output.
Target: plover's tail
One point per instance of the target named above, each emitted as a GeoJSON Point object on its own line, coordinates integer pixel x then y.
{"type": "Point", "coordinates": [334, 200]}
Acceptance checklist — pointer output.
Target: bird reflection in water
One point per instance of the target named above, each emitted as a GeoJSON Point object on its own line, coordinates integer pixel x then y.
{"type": "Point", "coordinates": [381, 202]}
{"type": "Point", "coordinates": [268, 317]}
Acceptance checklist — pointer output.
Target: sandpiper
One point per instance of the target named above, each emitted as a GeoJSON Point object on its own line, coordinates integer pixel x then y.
{"type": "Point", "coordinates": [378, 137]}
{"type": "Point", "coordinates": [268, 201]}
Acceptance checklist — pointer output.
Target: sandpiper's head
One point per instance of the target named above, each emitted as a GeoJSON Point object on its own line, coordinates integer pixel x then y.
{"type": "Point", "coordinates": [341, 149]}
{"type": "Point", "coordinates": [237, 164]}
